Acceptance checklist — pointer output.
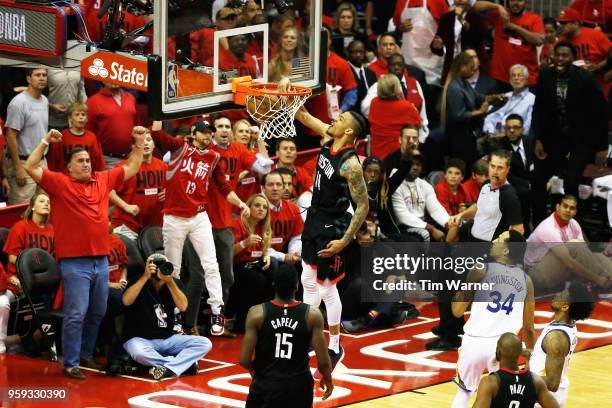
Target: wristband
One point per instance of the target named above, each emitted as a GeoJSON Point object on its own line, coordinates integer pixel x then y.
{"type": "Point", "coordinates": [43, 141]}
{"type": "Point", "coordinates": [241, 243]}
{"type": "Point", "coordinates": [123, 281]}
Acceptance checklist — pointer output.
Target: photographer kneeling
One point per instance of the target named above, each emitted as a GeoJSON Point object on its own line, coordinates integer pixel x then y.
{"type": "Point", "coordinates": [150, 321]}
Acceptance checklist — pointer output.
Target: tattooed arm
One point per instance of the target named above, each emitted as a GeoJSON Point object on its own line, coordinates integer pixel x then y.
{"type": "Point", "coordinates": [352, 171]}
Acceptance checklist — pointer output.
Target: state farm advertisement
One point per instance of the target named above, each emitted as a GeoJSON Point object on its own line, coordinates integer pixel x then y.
{"type": "Point", "coordinates": [116, 69]}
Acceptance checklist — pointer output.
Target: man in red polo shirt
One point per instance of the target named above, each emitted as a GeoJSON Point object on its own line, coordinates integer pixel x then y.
{"type": "Point", "coordinates": [80, 199]}
{"type": "Point", "coordinates": [112, 116]}
{"type": "Point", "coordinates": [236, 57]}
{"type": "Point", "coordinates": [516, 41]}
{"type": "Point", "coordinates": [287, 223]}
{"type": "Point", "coordinates": [140, 200]}
{"type": "Point", "coordinates": [387, 46]}
{"type": "Point", "coordinates": [592, 45]}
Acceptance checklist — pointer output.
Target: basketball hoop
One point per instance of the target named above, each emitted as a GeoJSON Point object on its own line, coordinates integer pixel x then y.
{"type": "Point", "coordinates": [274, 110]}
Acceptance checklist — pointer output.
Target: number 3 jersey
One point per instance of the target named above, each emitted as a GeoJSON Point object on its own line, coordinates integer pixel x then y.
{"type": "Point", "coordinates": [537, 363]}
{"type": "Point", "coordinates": [283, 341]}
{"type": "Point", "coordinates": [500, 309]}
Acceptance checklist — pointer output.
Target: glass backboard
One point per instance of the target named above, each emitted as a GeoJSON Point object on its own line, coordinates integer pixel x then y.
{"type": "Point", "coordinates": [198, 50]}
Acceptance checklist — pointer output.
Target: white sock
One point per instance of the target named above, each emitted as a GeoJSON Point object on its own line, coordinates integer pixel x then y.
{"type": "Point", "coordinates": [334, 343]}
{"type": "Point", "coordinates": [461, 398]}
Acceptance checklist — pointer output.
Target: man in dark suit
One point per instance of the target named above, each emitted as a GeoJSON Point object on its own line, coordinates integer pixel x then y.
{"type": "Point", "coordinates": [364, 76]}
{"type": "Point", "coordinates": [570, 125]}
{"type": "Point", "coordinates": [521, 164]}
{"type": "Point", "coordinates": [482, 83]}
{"type": "Point", "coordinates": [472, 35]}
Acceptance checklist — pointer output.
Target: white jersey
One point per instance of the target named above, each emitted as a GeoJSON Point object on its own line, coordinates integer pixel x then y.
{"type": "Point", "coordinates": [500, 309]}
{"type": "Point", "coordinates": [537, 362]}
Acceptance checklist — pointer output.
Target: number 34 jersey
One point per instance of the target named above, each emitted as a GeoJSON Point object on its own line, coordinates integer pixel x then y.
{"type": "Point", "coordinates": [283, 341]}
{"type": "Point", "coordinates": [499, 309]}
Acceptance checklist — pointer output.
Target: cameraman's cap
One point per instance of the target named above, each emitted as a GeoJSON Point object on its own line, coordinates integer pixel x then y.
{"type": "Point", "coordinates": [569, 14]}
{"type": "Point", "coordinates": [226, 13]}
{"type": "Point", "coordinates": [203, 126]}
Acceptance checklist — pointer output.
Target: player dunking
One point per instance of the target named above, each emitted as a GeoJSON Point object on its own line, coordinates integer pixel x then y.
{"type": "Point", "coordinates": [510, 387]}
{"type": "Point", "coordinates": [279, 333]}
{"type": "Point", "coordinates": [507, 307]}
{"type": "Point", "coordinates": [329, 228]}
{"type": "Point", "coordinates": [556, 344]}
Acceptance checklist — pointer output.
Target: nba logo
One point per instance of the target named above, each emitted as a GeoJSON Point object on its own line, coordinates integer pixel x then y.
{"type": "Point", "coordinates": [173, 81]}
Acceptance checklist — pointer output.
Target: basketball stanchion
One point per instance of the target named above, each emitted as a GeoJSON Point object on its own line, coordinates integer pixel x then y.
{"type": "Point", "coordinates": [273, 109]}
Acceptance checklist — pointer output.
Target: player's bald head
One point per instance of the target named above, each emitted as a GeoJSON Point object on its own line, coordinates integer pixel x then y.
{"type": "Point", "coordinates": [509, 346]}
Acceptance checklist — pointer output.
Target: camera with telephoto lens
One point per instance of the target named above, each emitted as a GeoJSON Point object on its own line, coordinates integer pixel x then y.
{"type": "Point", "coordinates": [163, 265]}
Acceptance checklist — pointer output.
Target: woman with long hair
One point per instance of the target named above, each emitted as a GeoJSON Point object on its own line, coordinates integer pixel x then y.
{"type": "Point", "coordinates": [291, 47]}
{"type": "Point", "coordinates": [33, 231]}
{"type": "Point", "coordinates": [389, 113]}
{"type": "Point", "coordinates": [463, 110]}
{"type": "Point", "coordinates": [253, 281]}
{"type": "Point", "coordinates": [346, 30]}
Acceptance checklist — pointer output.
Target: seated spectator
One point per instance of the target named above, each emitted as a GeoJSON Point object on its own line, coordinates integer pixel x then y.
{"type": "Point", "coordinates": [481, 82]}
{"type": "Point", "coordinates": [373, 176]}
{"type": "Point", "coordinates": [556, 252]}
{"type": "Point", "coordinates": [347, 30]}
{"type": "Point", "coordinates": [253, 238]}
{"type": "Point", "coordinates": [140, 200]}
{"type": "Point", "coordinates": [286, 152]}
{"type": "Point", "coordinates": [152, 334]}
{"type": "Point", "coordinates": [33, 231]}
{"type": "Point", "coordinates": [449, 190]}
{"type": "Point", "coordinates": [410, 89]}
{"type": "Point", "coordinates": [389, 112]}
{"type": "Point", "coordinates": [291, 48]}
{"type": "Point", "coordinates": [358, 314]}
{"type": "Point", "coordinates": [520, 101]}
{"type": "Point", "coordinates": [303, 201]}
{"type": "Point", "coordinates": [286, 222]}
{"type": "Point", "coordinates": [117, 281]}
{"type": "Point", "coordinates": [76, 136]}
{"type": "Point", "coordinates": [412, 200]}
{"type": "Point", "coordinates": [480, 174]}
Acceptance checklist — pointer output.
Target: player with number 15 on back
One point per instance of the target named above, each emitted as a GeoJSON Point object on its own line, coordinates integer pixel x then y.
{"type": "Point", "coordinates": [507, 307]}
{"type": "Point", "coordinates": [279, 334]}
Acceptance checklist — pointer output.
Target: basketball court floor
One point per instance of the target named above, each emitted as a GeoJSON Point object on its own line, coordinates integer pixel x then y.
{"type": "Point", "coordinates": [382, 369]}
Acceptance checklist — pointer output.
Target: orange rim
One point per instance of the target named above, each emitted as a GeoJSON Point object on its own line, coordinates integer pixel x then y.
{"type": "Point", "coordinates": [244, 86]}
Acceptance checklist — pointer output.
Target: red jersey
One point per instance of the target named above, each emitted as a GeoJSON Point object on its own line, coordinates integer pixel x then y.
{"type": "Point", "coordinates": [56, 159]}
{"type": "Point", "coordinates": [189, 176]}
{"type": "Point", "coordinates": [339, 72]}
{"type": "Point", "coordinates": [248, 186]}
{"type": "Point", "coordinates": [451, 202]}
{"type": "Point", "coordinates": [510, 48]}
{"type": "Point", "coordinates": [117, 258]}
{"type": "Point", "coordinates": [23, 235]}
{"type": "Point", "coordinates": [471, 190]}
{"type": "Point", "coordinates": [302, 180]}
{"type": "Point", "coordinates": [236, 158]}
{"type": "Point", "coordinates": [81, 208]}
{"type": "Point", "coordinates": [250, 253]}
{"type": "Point", "coordinates": [142, 190]}
{"type": "Point", "coordinates": [592, 46]}
{"type": "Point", "coordinates": [387, 118]}
{"type": "Point", "coordinates": [111, 123]}
{"type": "Point", "coordinates": [286, 223]}
{"type": "Point", "coordinates": [202, 45]}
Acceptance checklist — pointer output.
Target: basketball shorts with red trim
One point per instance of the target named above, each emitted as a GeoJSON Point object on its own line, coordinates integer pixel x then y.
{"type": "Point", "coordinates": [319, 229]}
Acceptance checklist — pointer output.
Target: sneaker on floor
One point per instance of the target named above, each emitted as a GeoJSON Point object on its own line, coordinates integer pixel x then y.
{"type": "Point", "coordinates": [160, 372]}
{"type": "Point", "coordinates": [335, 359]}
{"type": "Point", "coordinates": [354, 326]}
{"type": "Point", "coordinates": [444, 344]}
{"type": "Point", "coordinates": [217, 324]}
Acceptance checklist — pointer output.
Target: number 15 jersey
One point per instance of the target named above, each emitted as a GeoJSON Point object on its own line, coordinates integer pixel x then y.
{"type": "Point", "coordinates": [499, 309]}
{"type": "Point", "coordinates": [283, 341]}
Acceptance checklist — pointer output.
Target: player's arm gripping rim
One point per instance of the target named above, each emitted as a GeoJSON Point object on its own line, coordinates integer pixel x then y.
{"type": "Point", "coordinates": [556, 346]}
{"type": "Point", "coordinates": [352, 171]}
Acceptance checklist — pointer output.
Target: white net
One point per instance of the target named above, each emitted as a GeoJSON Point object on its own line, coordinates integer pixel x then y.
{"type": "Point", "coordinates": [275, 113]}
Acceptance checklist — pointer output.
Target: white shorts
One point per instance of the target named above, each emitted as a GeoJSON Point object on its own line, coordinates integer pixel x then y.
{"type": "Point", "coordinates": [475, 355]}
{"type": "Point", "coordinates": [560, 395]}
